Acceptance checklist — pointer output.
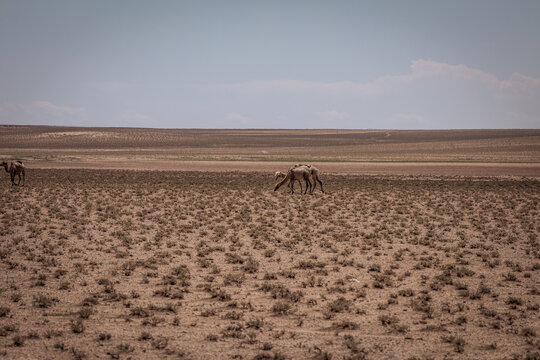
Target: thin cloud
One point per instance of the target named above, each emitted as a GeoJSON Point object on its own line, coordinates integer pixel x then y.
{"type": "Point", "coordinates": [136, 119]}
{"type": "Point", "coordinates": [429, 68]}
{"type": "Point", "coordinates": [420, 70]}
{"type": "Point", "coordinates": [333, 115]}
{"type": "Point", "coordinates": [526, 120]}
{"type": "Point", "coordinates": [113, 86]}
{"type": "Point", "coordinates": [399, 120]}
{"type": "Point", "coordinates": [7, 108]}
{"type": "Point", "coordinates": [42, 112]}
{"type": "Point", "coordinates": [431, 95]}
{"type": "Point", "coordinates": [56, 110]}
{"type": "Point", "coordinates": [520, 83]}
{"type": "Point", "coordinates": [237, 118]}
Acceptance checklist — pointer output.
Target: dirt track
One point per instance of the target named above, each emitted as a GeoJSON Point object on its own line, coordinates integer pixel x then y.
{"type": "Point", "coordinates": [348, 168]}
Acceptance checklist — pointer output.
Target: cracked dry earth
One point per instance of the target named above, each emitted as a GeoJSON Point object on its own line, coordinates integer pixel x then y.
{"type": "Point", "coordinates": [152, 264]}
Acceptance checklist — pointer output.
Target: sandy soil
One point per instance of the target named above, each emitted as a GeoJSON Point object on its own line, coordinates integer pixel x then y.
{"type": "Point", "coordinates": [31, 143]}
{"type": "Point", "coordinates": [124, 244]}
{"type": "Point", "coordinates": [346, 168]}
{"type": "Point", "coordinates": [216, 265]}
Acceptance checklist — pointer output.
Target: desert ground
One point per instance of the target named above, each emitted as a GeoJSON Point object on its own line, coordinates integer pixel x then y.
{"type": "Point", "coordinates": [157, 243]}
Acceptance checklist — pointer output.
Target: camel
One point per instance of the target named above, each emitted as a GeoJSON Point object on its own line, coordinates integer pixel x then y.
{"type": "Point", "coordinates": [313, 172]}
{"type": "Point", "coordinates": [16, 168]}
{"type": "Point", "coordinates": [281, 175]}
{"type": "Point", "coordinates": [295, 174]}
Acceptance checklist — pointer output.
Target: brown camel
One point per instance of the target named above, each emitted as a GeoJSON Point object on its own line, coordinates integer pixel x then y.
{"type": "Point", "coordinates": [313, 172]}
{"type": "Point", "coordinates": [281, 175]}
{"type": "Point", "coordinates": [16, 168]}
{"type": "Point", "coordinates": [295, 174]}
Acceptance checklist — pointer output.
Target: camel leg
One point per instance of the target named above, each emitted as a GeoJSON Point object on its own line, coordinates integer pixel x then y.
{"type": "Point", "coordinates": [315, 180]}
{"type": "Point", "coordinates": [308, 183]}
{"type": "Point", "coordinates": [18, 175]}
{"type": "Point", "coordinates": [293, 181]}
{"type": "Point", "coordinates": [24, 177]}
{"type": "Point", "coordinates": [320, 182]}
{"type": "Point", "coordinates": [291, 185]}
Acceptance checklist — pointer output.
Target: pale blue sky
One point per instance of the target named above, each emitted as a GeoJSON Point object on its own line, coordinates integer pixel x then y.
{"type": "Point", "coordinates": [271, 64]}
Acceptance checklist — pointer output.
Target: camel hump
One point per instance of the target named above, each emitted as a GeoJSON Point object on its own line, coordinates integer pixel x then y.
{"type": "Point", "coordinates": [299, 165]}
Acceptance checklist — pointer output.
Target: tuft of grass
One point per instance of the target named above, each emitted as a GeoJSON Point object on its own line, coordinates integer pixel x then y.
{"type": "Point", "coordinates": [388, 320]}
{"type": "Point", "coordinates": [339, 305]}
{"type": "Point", "coordinates": [160, 342]}
{"type": "Point", "coordinates": [281, 308]}
{"type": "Point", "coordinates": [346, 325]}
{"type": "Point", "coordinates": [4, 311]}
{"type": "Point", "coordinates": [18, 340]}
{"type": "Point", "coordinates": [457, 341]}
{"type": "Point", "coordinates": [77, 326]}
{"type": "Point", "coordinates": [527, 332]}
{"type": "Point", "coordinates": [43, 301]}
{"type": "Point", "coordinates": [104, 336]}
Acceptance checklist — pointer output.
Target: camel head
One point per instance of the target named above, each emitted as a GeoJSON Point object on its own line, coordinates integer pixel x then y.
{"type": "Point", "coordinates": [5, 165]}
{"type": "Point", "coordinates": [285, 178]}
{"type": "Point", "coordinates": [278, 174]}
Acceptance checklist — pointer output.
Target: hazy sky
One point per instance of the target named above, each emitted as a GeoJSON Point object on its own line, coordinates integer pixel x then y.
{"type": "Point", "coordinates": [271, 64]}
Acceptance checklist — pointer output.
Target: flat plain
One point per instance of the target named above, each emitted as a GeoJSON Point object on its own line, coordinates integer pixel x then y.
{"type": "Point", "coordinates": [146, 243]}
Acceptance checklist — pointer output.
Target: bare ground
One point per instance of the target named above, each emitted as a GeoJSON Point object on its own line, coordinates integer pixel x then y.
{"type": "Point", "coordinates": [345, 168]}
{"type": "Point", "coordinates": [147, 243]}
{"type": "Point", "coordinates": [214, 265]}
{"type": "Point", "coordinates": [57, 144]}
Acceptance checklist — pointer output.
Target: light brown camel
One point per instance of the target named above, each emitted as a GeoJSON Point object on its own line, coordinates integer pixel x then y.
{"type": "Point", "coordinates": [295, 174]}
{"type": "Point", "coordinates": [281, 175]}
{"type": "Point", "coordinates": [313, 172]}
{"type": "Point", "coordinates": [16, 168]}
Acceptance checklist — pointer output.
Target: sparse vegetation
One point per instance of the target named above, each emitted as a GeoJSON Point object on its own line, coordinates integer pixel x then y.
{"type": "Point", "coordinates": [150, 264]}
